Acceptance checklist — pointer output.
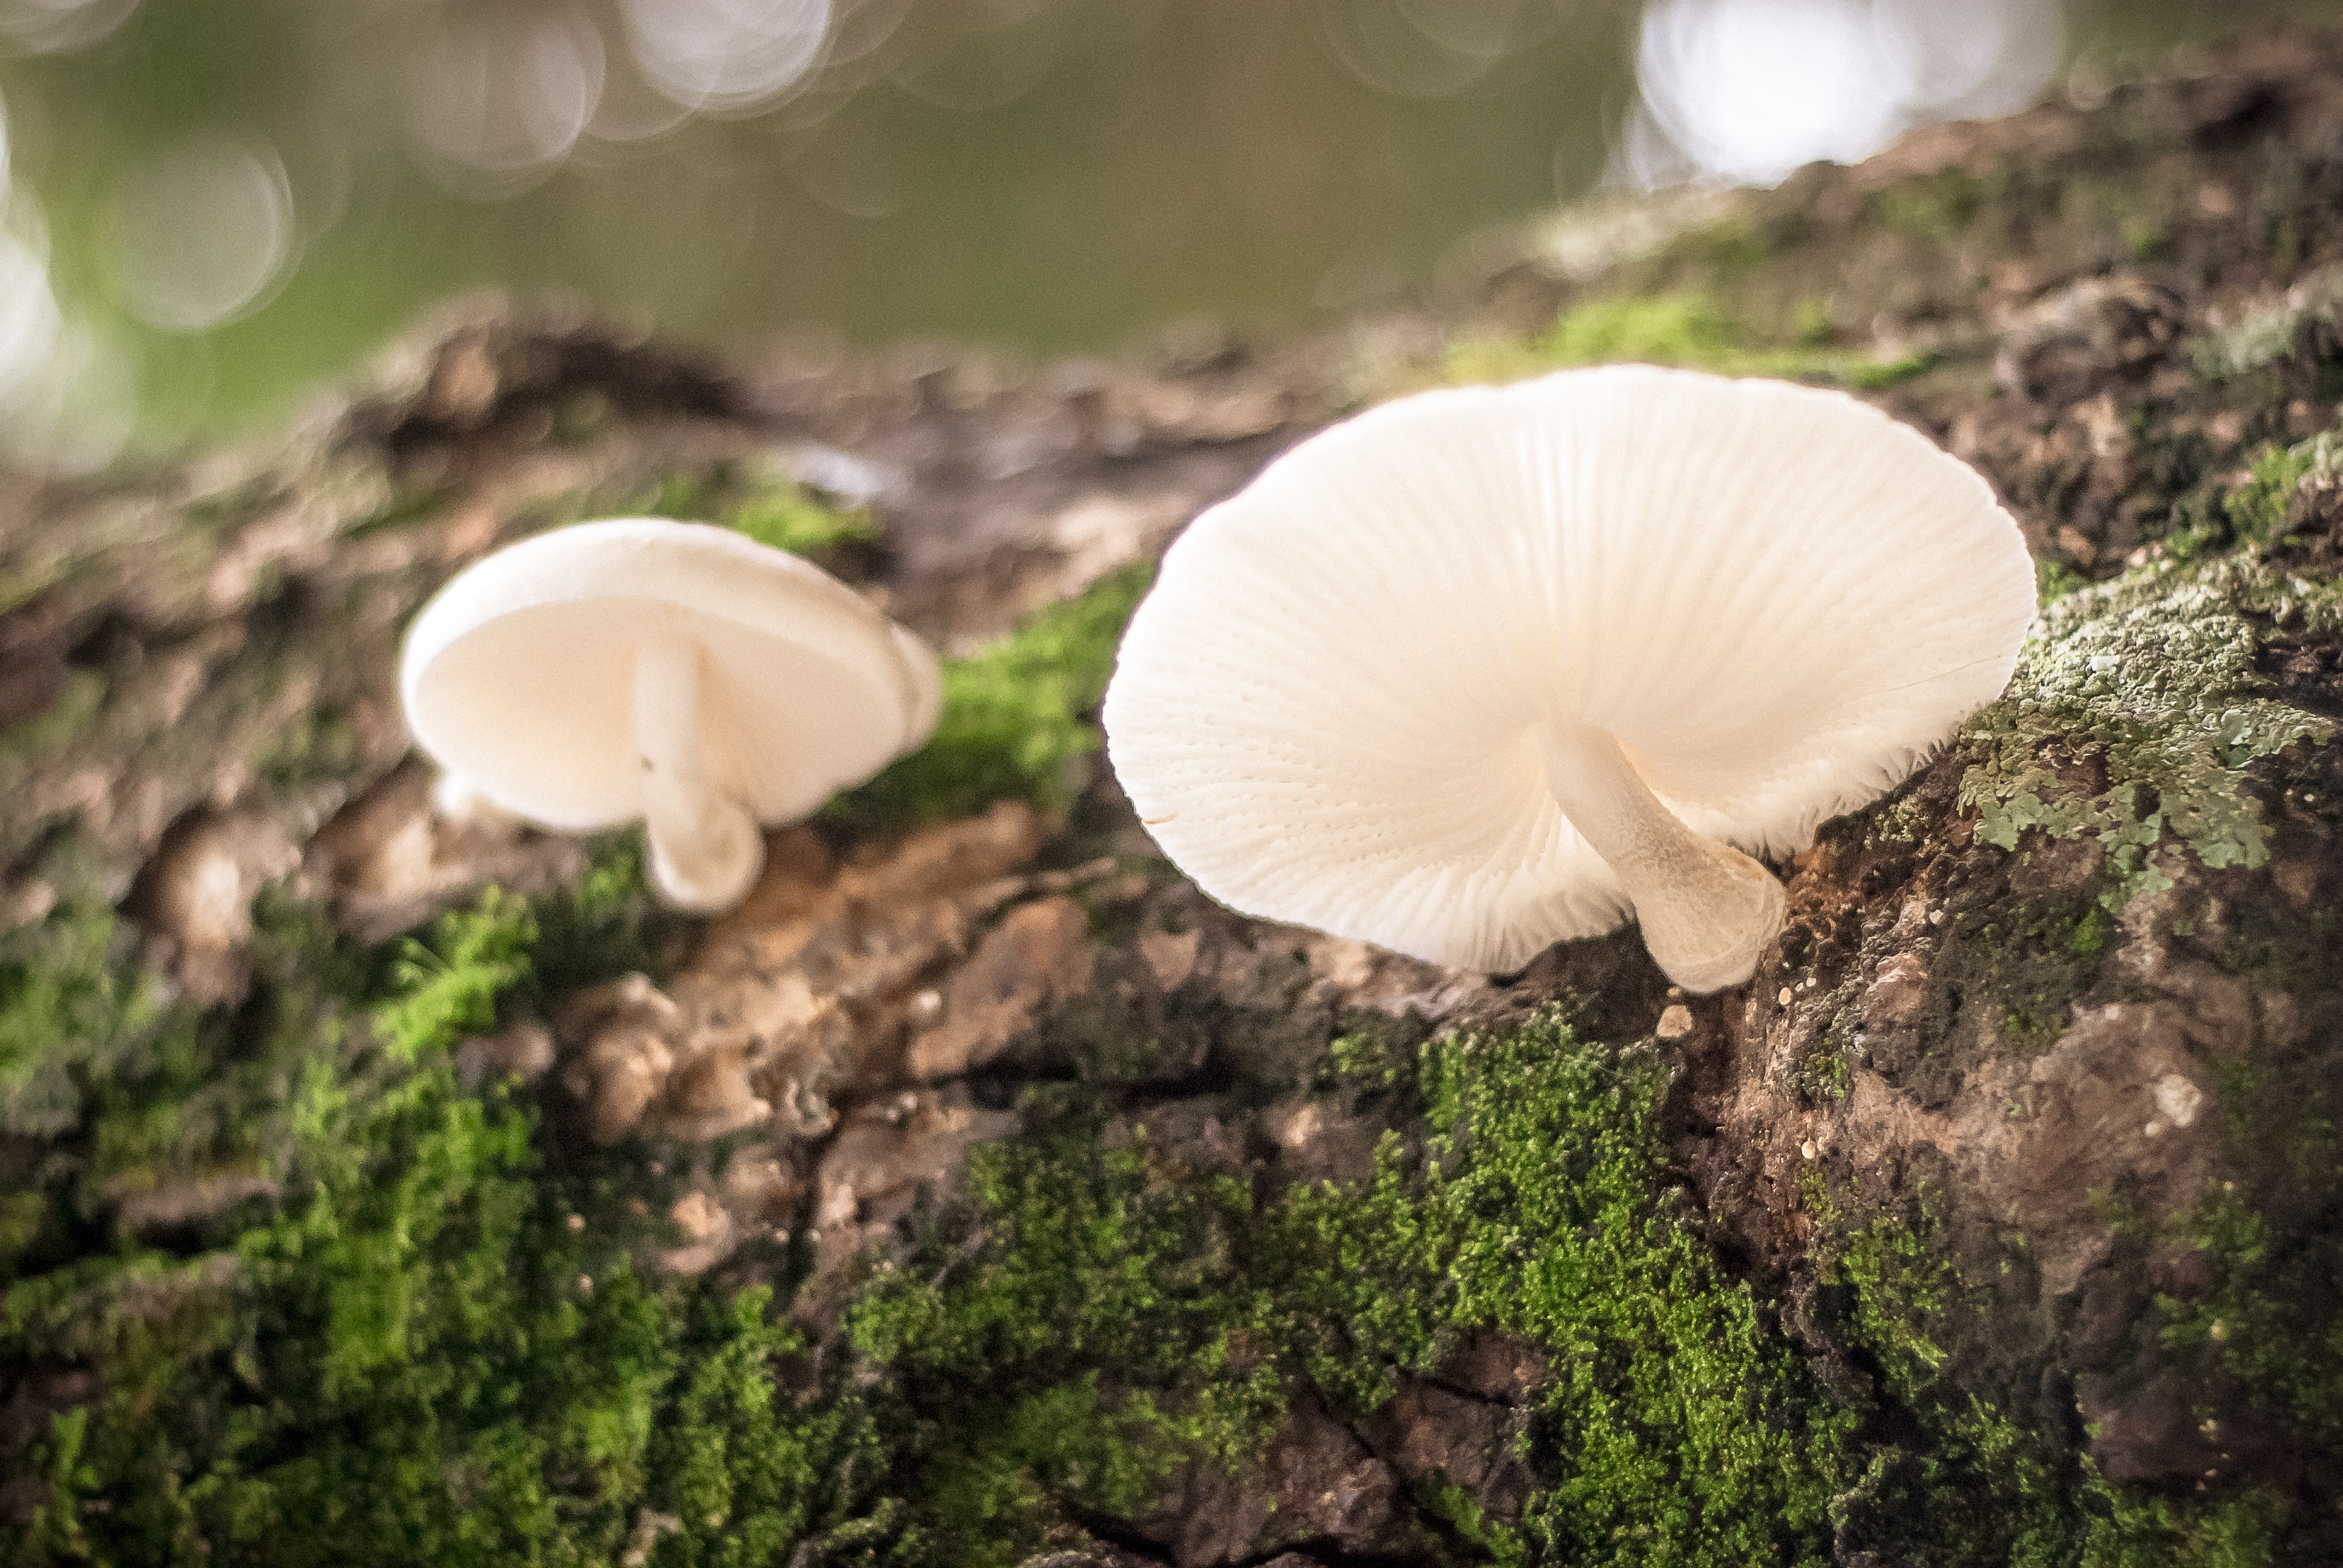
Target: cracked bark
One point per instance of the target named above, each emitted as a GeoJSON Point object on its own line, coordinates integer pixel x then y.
{"type": "Point", "coordinates": [196, 686]}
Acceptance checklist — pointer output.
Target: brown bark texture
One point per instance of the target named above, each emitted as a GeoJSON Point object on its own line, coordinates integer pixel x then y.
{"type": "Point", "coordinates": [2027, 1120]}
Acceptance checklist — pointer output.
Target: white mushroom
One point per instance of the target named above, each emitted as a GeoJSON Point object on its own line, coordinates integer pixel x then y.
{"type": "Point", "coordinates": [1486, 668]}
{"type": "Point", "coordinates": [459, 802]}
{"type": "Point", "coordinates": [670, 671]}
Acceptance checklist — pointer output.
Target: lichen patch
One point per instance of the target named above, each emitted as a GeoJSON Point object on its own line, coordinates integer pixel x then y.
{"type": "Point", "coordinates": [2136, 711]}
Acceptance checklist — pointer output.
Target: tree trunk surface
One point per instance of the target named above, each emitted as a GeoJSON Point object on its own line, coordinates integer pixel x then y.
{"type": "Point", "coordinates": [1998, 1218]}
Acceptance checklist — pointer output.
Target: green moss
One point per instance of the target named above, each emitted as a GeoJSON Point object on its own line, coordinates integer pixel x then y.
{"type": "Point", "coordinates": [316, 746]}
{"type": "Point", "coordinates": [789, 518]}
{"type": "Point", "coordinates": [1728, 248]}
{"type": "Point", "coordinates": [1017, 717]}
{"type": "Point", "coordinates": [1811, 326]}
{"type": "Point", "coordinates": [765, 504]}
{"type": "Point", "coordinates": [2146, 239]}
{"type": "Point", "coordinates": [63, 1015]}
{"type": "Point", "coordinates": [2258, 509]}
{"type": "Point", "coordinates": [107, 1087]}
{"type": "Point", "coordinates": [404, 1362]}
{"type": "Point", "coordinates": [450, 991]}
{"type": "Point", "coordinates": [1663, 329]}
{"type": "Point", "coordinates": [2141, 1530]}
{"type": "Point", "coordinates": [2267, 1320]}
{"type": "Point", "coordinates": [1444, 1504]}
{"type": "Point", "coordinates": [1678, 1427]}
{"type": "Point", "coordinates": [1685, 329]}
{"type": "Point", "coordinates": [2147, 688]}
{"type": "Point", "coordinates": [1370, 1061]}
{"type": "Point", "coordinates": [2209, 520]}
{"type": "Point", "coordinates": [1821, 1076]}
{"type": "Point", "coordinates": [399, 1362]}
{"type": "Point", "coordinates": [1936, 207]}
{"type": "Point", "coordinates": [410, 507]}
{"type": "Point", "coordinates": [1897, 1287]}
{"type": "Point", "coordinates": [1104, 1311]}
{"type": "Point", "coordinates": [1072, 1341]}
{"type": "Point", "coordinates": [2020, 966]}
{"type": "Point", "coordinates": [2088, 938]}
{"type": "Point", "coordinates": [1683, 1430]}
{"type": "Point", "coordinates": [68, 716]}
{"type": "Point", "coordinates": [2054, 580]}
{"type": "Point", "coordinates": [1976, 1486]}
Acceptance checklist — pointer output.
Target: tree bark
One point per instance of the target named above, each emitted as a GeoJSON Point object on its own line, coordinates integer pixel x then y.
{"type": "Point", "coordinates": [2026, 1121]}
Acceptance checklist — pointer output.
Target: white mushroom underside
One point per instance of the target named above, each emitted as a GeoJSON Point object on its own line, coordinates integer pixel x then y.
{"type": "Point", "coordinates": [519, 673]}
{"type": "Point", "coordinates": [549, 693]}
{"type": "Point", "coordinates": [1333, 708]}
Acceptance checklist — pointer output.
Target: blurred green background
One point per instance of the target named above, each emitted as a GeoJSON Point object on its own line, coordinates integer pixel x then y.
{"type": "Point", "coordinates": [213, 203]}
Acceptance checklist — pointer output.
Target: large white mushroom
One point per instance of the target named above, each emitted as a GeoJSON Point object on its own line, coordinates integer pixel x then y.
{"type": "Point", "coordinates": [669, 671]}
{"type": "Point", "coordinates": [1486, 668]}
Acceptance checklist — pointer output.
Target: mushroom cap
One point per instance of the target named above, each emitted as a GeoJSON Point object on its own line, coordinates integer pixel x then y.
{"type": "Point", "coordinates": [1332, 707]}
{"type": "Point", "coordinates": [519, 673]}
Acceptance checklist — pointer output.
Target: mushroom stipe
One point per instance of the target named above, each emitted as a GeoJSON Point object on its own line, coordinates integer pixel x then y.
{"type": "Point", "coordinates": [1487, 668]}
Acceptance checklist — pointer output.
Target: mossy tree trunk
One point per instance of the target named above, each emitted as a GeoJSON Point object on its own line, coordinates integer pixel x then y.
{"type": "Point", "coordinates": [980, 1192]}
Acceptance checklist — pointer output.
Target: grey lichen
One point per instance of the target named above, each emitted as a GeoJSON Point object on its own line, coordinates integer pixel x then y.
{"type": "Point", "coordinates": [2148, 687]}
{"type": "Point", "coordinates": [2272, 332]}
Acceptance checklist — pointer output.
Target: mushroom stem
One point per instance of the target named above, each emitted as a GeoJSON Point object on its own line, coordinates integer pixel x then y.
{"type": "Point", "coordinates": [706, 849]}
{"type": "Point", "coordinates": [1707, 909]}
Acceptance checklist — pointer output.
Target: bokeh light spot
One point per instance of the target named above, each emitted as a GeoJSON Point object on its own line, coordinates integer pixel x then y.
{"type": "Point", "coordinates": [58, 26]}
{"type": "Point", "coordinates": [1390, 49]}
{"type": "Point", "coordinates": [1750, 90]}
{"type": "Point", "coordinates": [500, 94]}
{"type": "Point", "coordinates": [727, 56]}
{"type": "Point", "coordinates": [200, 232]}
{"type": "Point", "coordinates": [29, 319]}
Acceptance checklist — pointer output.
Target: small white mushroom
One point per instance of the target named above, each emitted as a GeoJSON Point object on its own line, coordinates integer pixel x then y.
{"type": "Point", "coordinates": [1486, 668]}
{"type": "Point", "coordinates": [670, 671]}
